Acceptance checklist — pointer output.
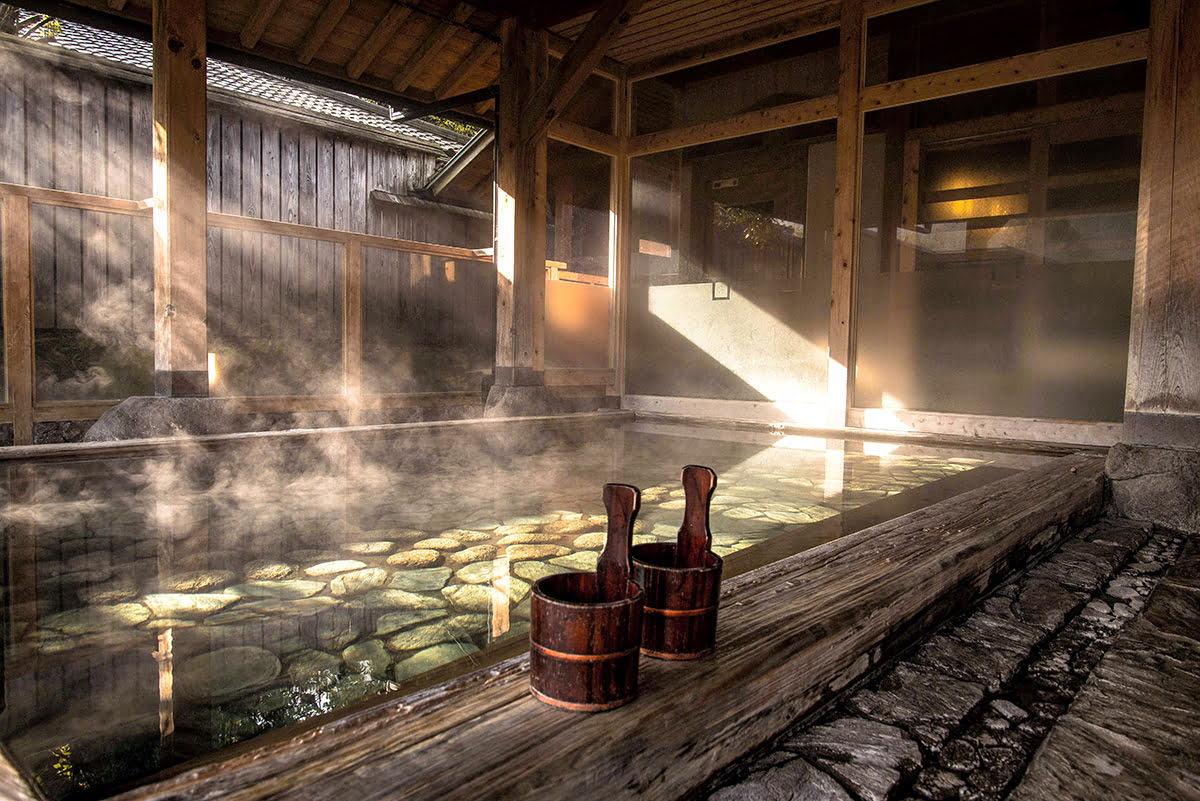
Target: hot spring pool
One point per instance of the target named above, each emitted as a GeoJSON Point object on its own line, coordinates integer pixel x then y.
{"type": "Point", "coordinates": [161, 608]}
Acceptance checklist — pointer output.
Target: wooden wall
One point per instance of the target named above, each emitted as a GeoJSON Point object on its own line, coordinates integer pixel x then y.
{"type": "Point", "coordinates": [66, 127]}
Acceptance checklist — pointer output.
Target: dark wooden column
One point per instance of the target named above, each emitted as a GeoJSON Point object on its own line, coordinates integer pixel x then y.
{"type": "Point", "coordinates": [520, 212]}
{"type": "Point", "coordinates": [180, 332]}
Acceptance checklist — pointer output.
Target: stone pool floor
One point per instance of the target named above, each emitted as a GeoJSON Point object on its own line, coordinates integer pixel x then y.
{"type": "Point", "coordinates": [1079, 679]}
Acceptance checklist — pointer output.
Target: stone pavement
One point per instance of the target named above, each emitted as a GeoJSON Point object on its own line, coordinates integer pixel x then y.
{"type": "Point", "coordinates": [1047, 689]}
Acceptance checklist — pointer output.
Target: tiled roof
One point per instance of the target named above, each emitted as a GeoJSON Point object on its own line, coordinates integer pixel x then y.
{"type": "Point", "coordinates": [252, 84]}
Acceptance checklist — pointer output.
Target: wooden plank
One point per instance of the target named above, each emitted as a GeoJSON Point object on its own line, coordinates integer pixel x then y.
{"type": "Point", "coordinates": [307, 246]}
{"type": "Point", "coordinates": [449, 85]}
{"type": "Point", "coordinates": [431, 47]}
{"type": "Point", "coordinates": [71, 410]}
{"type": "Point", "coordinates": [326, 21]}
{"type": "Point", "coordinates": [17, 247]}
{"type": "Point", "coordinates": [272, 278]}
{"type": "Point", "coordinates": [802, 112]}
{"type": "Point", "coordinates": [846, 198]}
{"type": "Point", "coordinates": [587, 138]}
{"type": "Point", "coordinates": [75, 200]}
{"type": "Point", "coordinates": [12, 129]}
{"type": "Point", "coordinates": [789, 635]}
{"type": "Point", "coordinates": [382, 33]}
{"type": "Point", "coordinates": [808, 21]}
{"type": "Point", "coordinates": [1107, 52]}
{"type": "Point", "coordinates": [550, 97]}
{"type": "Point", "coordinates": [39, 171]}
{"type": "Point", "coordinates": [256, 25]}
{"type": "Point", "coordinates": [118, 133]}
{"type": "Point", "coordinates": [251, 283]}
{"type": "Point", "coordinates": [909, 205]}
{"type": "Point", "coordinates": [352, 264]}
{"type": "Point", "coordinates": [229, 312]}
{"type": "Point", "coordinates": [1021, 121]}
{"type": "Point", "coordinates": [327, 266]}
{"type": "Point", "coordinates": [180, 269]}
{"type": "Point", "coordinates": [620, 204]}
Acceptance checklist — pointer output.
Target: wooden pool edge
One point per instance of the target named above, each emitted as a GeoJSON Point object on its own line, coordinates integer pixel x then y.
{"type": "Point", "coordinates": [791, 634]}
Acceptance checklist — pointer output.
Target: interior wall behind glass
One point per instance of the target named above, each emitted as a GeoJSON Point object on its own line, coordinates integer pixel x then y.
{"type": "Point", "coordinates": [578, 295]}
{"type": "Point", "coordinates": [730, 289]}
{"type": "Point", "coordinates": [996, 262]}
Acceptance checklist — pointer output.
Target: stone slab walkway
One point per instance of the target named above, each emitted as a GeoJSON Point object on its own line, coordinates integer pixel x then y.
{"type": "Point", "coordinates": [1044, 690]}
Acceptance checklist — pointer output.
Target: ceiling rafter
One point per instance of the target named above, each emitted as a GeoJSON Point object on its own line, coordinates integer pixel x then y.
{"type": "Point", "coordinates": [481, 52]}
{"type": "Point", "coordinates": [327, 20]}
{"type": "Point", "coordinates": [550, 98]}
{"type": "Point", "coordinates": [254, 28]}
{"type": "Point", "coordinates": [442, 33]}
{"type": "Point", "coordinates": [379, 36]}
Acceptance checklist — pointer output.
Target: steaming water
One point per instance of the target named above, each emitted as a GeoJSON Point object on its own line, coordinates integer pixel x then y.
{"type": "Point", "coordinates": [163, 608]}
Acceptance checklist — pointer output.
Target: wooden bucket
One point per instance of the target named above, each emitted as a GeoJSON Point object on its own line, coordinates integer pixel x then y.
{"type": "Point", "coordinates": [680, 616]}
{"type": "Point", "coordinates": [583, 653]}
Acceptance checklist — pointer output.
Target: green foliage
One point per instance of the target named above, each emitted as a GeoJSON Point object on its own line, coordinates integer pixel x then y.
{"type": "Point", "coordinates": [758, 230]}
{"type": "Point", "coordinates": [38, 27]}
{"type": "Point", "coordinates": [457, 127]}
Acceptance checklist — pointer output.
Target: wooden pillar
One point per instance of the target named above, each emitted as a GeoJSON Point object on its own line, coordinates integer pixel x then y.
{"type": "Point", "coordinates": [845, 212]}
{"type": "Point", "coordinates": [180, 129]}
{"type": "Point", "coordinates": [520, 205]}
{"type": "Point", "coordinates": [1162, 395]}
{"type": "Point", "coordinates": [18, 314]}
{"type": "Point", "coordinates": [352, 325]}
{"type": "Point", "coordinates": [621, 220]}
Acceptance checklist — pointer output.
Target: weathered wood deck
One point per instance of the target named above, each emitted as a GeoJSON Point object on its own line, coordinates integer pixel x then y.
{"type": "Point", "coordinates": [790, 633]}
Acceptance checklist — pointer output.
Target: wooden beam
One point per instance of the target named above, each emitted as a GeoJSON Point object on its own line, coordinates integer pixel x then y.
{"type": "Point", "coordinates": [431, 46]}
{"type": "Point", "coordinates": [814, 19]}
{"type": "Point", "coordinates": [180, 204]}
{"type": "Point", "coordinates": [328, 19]}
{"type": "Point", "coordinates": [254, 28]}
{"type": "Point", "coordinates": [379, 36]}
{"type": "Point", "coordinates": [586, 138]}
{"type": "Point", "coordinates": [116, 5]}
{"type": "Point", "coordinates": [71, 410]}
{"type": "Point", "coordinates": [352, 323]}
{"type": "Point", "coordinates": [846, 196]}
{"type": "Point", "coordinates": [18, 313]}
{"type": "Point", "coordinates": [1107, 52]}
{"type": "Point", "coordinates": [482, 51]}
{"type": "Point", "coordinates": [552, 96]}
{"type": "Point", "coordinates": [620, 205]}
{"type": "Point", "coordinates": [77, 200]}
{"type": "Point", "coordinates": [801, 112]}
{"type": "Point", "coordinates": [876, 8]}
{"type": "Point", "coordinates": [1029, 119]}
{"type": "Point", "coordinates": [560, 45]}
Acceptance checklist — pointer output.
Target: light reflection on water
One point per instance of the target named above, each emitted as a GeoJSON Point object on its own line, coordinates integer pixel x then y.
{"type": "Point", "coordinates": [163, 608]}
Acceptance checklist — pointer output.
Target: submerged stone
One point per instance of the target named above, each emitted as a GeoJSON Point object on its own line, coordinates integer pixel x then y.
{"type": "Point", "coordinates": [475, 553]}
{"type": "Point", "coordinates": [516, 528]}
{"type": "Point", "coordinates": [369, 658]}
{"type": "Point", "coordinates": [93, 619]}
{"type": "Point", "coordinates": [583, 560]}
{"type": "Point", "coordinates": [374, 548]}
{"type": "Point", "coordinates": [198, 581]}
{"type": "Point", "coordinates": [421, 637]}
{"type": "Point", "coordinates": [226, 673]}
{"type": "Point", "coordinates": [401, 599]}
{"type": "Point", "coordinates": [359, 581]}
{"type": "Point", "coordinates": [395, 621]}
{"type": "Point", "coordinates": [520, 552]}
{"type": "Point", "coordinates": [585, 542]}
{"type": "Point", "coordinates": [565, 528]}
{"type": "Point", "coordinates": [187, 605]}
{"type": "Point", "coordinates": [477, 573]}
{"type": "Point", "coordinates": [533, 571]}
{"type": "Point", "coordinates": [429, 579]}
{"type": "Point", "coordinates": [430, 658]}
{"type": "Point", "coordinates": [310, 555]}
{"type": "Point", "coordinates": [287, 589]}
{"type": "Point", "coordinates": [336, 629]}
{"type": "Point", "coordinates": [437, 544]}
{"type": "Point", "coordinates": [464, 535]}
{"type": "Point", "coordinates": [334, 567]}
{"type": "Point", "coordinates": [313, 669]}
{"type": "Point", "coordinates": [528, 538]}
{"type": "Point", "coordinates": [294, 606]}
{"type": "Point", "coordinates": [267, 570]}
{"type": "Point", "coordinates": [114, 592]}
{"type": "Point", "coordinates": [421, 557]}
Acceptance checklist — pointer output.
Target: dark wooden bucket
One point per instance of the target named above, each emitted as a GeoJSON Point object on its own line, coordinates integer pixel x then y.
{"type": "Point", "coordinates": [680, 616]}
{"type": "Point", "coordinates": [583, 652]}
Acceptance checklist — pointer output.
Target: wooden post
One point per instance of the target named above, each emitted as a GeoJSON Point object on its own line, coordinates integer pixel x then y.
{"type": "Point", "coordinates": [845, 212]}
{"type": "Point", "coordinates": [180, 133]}
{"type": "Point", "coordinates": [352, 323]}
{"type": "Point", "coordinates": [520, 253]}
{"type": "Point", "coordinates": [621, 219]}
{"type": "Point", "coordinates": [18, 314]}
{"type": "Point", "coordinates": [1162, 393]}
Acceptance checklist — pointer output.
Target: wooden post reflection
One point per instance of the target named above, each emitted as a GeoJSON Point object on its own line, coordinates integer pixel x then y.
{"type": "Point", "coordinates": [835, 469]}
{"type": "Point", "coordinates": [165, 658]}
{"type": "Point", "coordinates": [500, 594]}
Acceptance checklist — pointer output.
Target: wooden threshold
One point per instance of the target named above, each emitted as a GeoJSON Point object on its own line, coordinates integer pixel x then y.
{"type": "Point", "coordinates": [791, 634]}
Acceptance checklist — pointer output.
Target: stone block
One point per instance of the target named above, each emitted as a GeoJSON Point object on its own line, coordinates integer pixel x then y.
{"type": "Point", "coordinates": [1156, 485]}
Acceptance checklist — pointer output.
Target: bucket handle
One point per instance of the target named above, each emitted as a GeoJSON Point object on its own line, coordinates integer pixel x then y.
{"type": "Point", "coordinates": [622, 502]}
{"type": "Point", "coordinates": [695, 538]}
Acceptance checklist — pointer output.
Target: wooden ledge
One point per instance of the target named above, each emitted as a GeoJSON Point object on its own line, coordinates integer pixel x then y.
{"type": "Point", "coordinates": [790, 635]}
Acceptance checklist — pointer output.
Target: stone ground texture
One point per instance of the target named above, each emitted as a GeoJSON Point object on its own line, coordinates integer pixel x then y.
{"type": "Point", "coordinates": [994, 705]}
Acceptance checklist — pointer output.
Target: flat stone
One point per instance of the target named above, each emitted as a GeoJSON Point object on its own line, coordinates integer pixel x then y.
{"type": "Point", "coordinates": [226, 673]}
{"type": "Point", "coordinates": [437, 544]}
{"type": "Point", "coordinates": [476, 553]}
{"type": "Point", "coordinates": [336, 628]}
{"type": "Point", "coordinates": [794, 780]}
{"type": "Point", "coordinates": [95, 619]}
{"type": "Point", "coordinates": [465, 535]}
{"type": "Point", "coordinates": [921, 700]}
{"type": "Point", "coordinates": [471, 597]}
{"type": "Point", "coordinates": [158, 624]}
{"type": "Point", "coordinates": [1045, 604]}
{"type": "Point", "coordinates": [402, 599]}
{"type": "Point", "coordinates": [516, 528]}
{"type": "Point", "coordinates": [187, 605]}
{"type": "Point", "coordinates": [268, 570]}
{"type": "Point", "coordinates": [586, 542]}
{"type": "Point", "coordinates": [858, 740]}
{"type": "Point", "coordinates": [368, 657]}
{"type": "Point", "coordinates": [422, 557]}
{"type": "Point", "coordinates": [369, 548]}
{"type": "Point", "coordinates": [421, 637]}
{"type": "Point", "coordinates": [518, 553]}
{"type": "Point", "coordinates": [334, 567]}
{"type": "Point", "coordinates": [286, 589]}
{"type": "Point", "coordinates": [580, 561]}
{"type": "Point", "coordinates": [565, 528]}
{"type": "Point", "coordinates": [939, 785]}
{"type": "Point", "coordinates": [960, 756]}
{"type": "Point", "coordinates": [528, 538]}
{"type": "Point", "coordinates": [429, 658]}
{"type": "Point", "coordinates": [313, 669]}
{"type": "Point", "coordinates": [533, 571]}
{"type": "Point", "coordinates": [311, 555]}
{"type": "Point", "coordinates": [114, 592]}
{"type": "Point", "coordinates": [1008, 710]}
{"type": "Point", "coordinates": [237, 614]}
{"type": "Point", "coordinates": [290, 606]}
{"type": "Point", "coordinates": [1081, 565]}
{"type": "Point", "coordinates": [359, 581]}
{"type": "Point", "coordinates": [477, 573]}
{"type": "Point", "coordinates": [429, 579]}
{"type": "Point", "coordinates": [198, 581]}
{"type": "Point", "coordinates": [395, 621]}
{"type": "Point", "coordinates": [984, 663]}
